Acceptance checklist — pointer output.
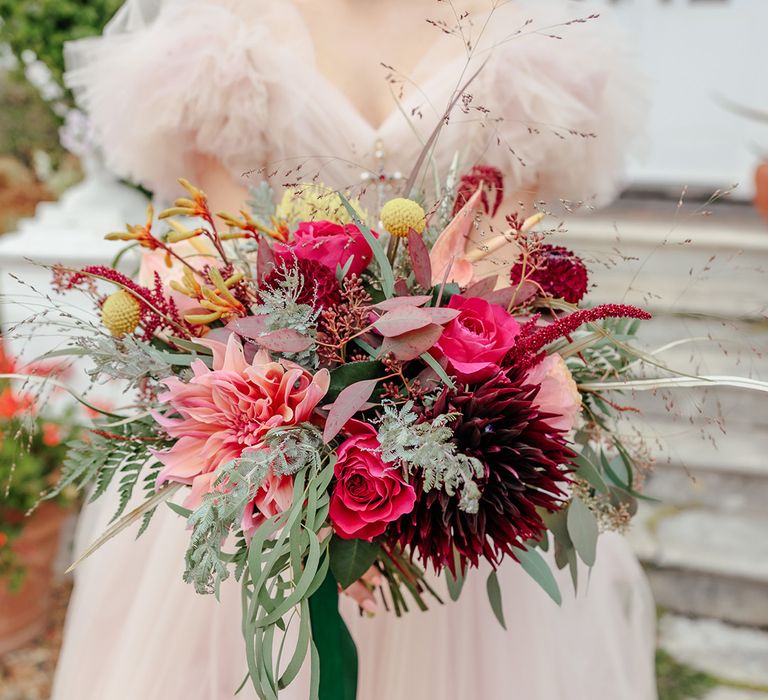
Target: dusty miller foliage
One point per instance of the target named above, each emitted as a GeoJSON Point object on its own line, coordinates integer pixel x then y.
{"type": "Point", "coordinates": [280, 305]}
{"type": "Point", "coordinates": [429, 448]}
{"type": "Point", "coordinates": [284, 451]}
{"type": "Point", "coordinates": [262, 202]}
{"type": "Point", "coordinates": [127, 358]}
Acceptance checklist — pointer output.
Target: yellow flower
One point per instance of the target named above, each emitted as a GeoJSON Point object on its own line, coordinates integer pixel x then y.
{"type": "Point", "coordinates": [316, 203]}
{"type": "Point", "coordinates": [400, 215]}
{"type": "Point", "coordinates": [138, 233]}
{"type": "Point", "coordinates": [184, 206]}
{"type": "Point", "coordinates": [218, 301]}
{"type": "Point", "coordinates": [120, 313]}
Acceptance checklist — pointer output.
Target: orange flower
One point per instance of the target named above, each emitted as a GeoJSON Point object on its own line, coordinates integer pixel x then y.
{"type": "Point", "coordinates": [138, 233]}
{"type": "Point", "coordinates": [51, 434]}
{"type": "Point", "coordinates": [12, 405]}
{"type": "Point", "coordinates": [184, 206]}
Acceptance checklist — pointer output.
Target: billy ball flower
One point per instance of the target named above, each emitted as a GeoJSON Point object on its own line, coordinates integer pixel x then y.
{"type": "Point", "coordinates": [400, 215]}
{"type": "Point", "coordinates": [120, 313]}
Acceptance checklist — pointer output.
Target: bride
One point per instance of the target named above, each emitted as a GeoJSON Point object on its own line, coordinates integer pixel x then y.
{"type": "Point", "coordinates": [213, 89]}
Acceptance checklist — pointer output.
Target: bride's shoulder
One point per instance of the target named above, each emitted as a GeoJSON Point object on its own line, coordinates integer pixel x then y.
{"type": "Point", "coordinates": [563, 93]}
{"type": "Point", "coordinates": [183, 78]}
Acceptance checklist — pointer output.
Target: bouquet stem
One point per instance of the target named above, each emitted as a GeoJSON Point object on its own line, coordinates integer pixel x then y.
{"type": "Point", "coordinates": [334, 643]}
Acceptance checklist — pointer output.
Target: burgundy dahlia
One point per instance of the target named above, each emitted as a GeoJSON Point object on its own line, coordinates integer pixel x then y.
{"type": "Point", "coordinates": [320, 287]}
{"type": "Point", "coordinates": [492, 180]}
{"type": "Point", "coordinates": [526, 463]}
{"type": "Point", "coordinates": [559, 272]}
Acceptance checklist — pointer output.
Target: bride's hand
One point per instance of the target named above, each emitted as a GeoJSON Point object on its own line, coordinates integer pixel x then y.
{"type": "Point", "coordinates": [361, 591]}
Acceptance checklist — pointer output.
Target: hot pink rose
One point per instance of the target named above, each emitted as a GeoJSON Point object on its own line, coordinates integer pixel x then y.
{"type": "Point", "coordinates": [478, 338]}
{"type": "Point", "coordinates": [223, 412]}
{"type": "Point", "coordinates": [369, 494]}
{"type": "Point", "coordinates": [558, 394]}
{"type": "Point", "coordinates": [329, 243]}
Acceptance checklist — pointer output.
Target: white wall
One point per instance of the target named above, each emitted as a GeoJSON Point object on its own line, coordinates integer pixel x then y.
{"type": "Point", "coordinates": [694, 52]}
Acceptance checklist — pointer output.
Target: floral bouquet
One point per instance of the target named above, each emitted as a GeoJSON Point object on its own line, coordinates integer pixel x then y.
{"type": "Point", "coordinates": [335, 393]}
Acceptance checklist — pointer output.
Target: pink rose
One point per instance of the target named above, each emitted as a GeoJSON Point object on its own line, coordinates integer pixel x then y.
{"type": "Point", "coordinates": [369, 494]}
{"type": "Point", "coordinates": [558, 394]}
{"type": "Point", "coordinates": [478, 338]}
{"type": "Point", "coordinates": [330, 244]}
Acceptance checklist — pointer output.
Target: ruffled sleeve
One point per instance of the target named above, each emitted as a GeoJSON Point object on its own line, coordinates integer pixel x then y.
{"type": "Point", "coordinates": [195, 81]}
{"type": "Point", "coordinates": [563, 112]}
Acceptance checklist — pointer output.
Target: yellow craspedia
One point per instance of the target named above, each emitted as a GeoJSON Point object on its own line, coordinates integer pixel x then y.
{"type": "Point", "coordinates": [316, 202]}
{"type": "Point", "coordinates": [400, 215]}
{"type": "Point", "coordinates": [120, 313]}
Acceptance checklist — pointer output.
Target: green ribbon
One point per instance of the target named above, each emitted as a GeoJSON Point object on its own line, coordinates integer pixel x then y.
{"type": "Point", "coordinates": [335, 646]}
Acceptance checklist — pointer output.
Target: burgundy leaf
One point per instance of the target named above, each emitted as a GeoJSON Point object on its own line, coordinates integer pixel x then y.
{"type": "Point", "coordinates": [265, 260]}
{"type": "Point", "coordinates": [410, 345]}
{"type": "Point", "coordinates": [284, 340]}
{"type": "Point", "coordinates": [482, 287]}
{"type": "Point", "coordinates": [401, 287]}
{"type": "Point", "coordinates": [349, 401]}
{"type": "Point", "coordinates": [511, 296]}
{"type": "Point", "coordinates": [442, 314]}
{"type": "Point", "coordinates": [420, 263]}
{"type": "Point", "coordinates": [249, 327]}
{"type": "Point", "coordinates": [402, 320]}
{"type": "Point", "coordinates": [394, 302]}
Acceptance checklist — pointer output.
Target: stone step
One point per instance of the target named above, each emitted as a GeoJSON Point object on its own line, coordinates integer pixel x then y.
{"type": "Point", "coordinates": [726, 693]}
{"type": "Point", "coordinates": [704, 446]}
{"type": "Point", "coordinates": [705, 562]}
{"type": "Point", "coordinates": [736, 656]}
{"type": "Point", "coordinates": [671, 262]}
{"type": "Point", "coordinates": [701, 466]}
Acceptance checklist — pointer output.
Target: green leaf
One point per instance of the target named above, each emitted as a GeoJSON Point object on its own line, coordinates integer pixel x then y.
{"type": "Point", "coordinates": [494, 596]}
{"type": "Point", "coordinates": [583, 529]}
{"type": "Point", "coordinates": [590, 473]}
{"type": "Point", "coordinates": [352, 372]}
{"type": "Point", "coordinates": [435, 365]}
{"type": "Point", "coordinates": [455, 583]}
{"type": "Point", "coordinates": [538, 569]}
{"type": "Point", "coordinates": [387, 276]}
{"type": "Point", "coordinates": [350, 559]}
{"type": "Point", "coordinates": [179, 510]}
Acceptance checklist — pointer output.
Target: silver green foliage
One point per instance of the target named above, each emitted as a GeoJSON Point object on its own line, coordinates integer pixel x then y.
{"type": "Point", "coordinates": [285, 451]}
{"type": "Point", "coordinates": [262, 202]}
{"type": "Point", "coordinates": [127, 359]}
{"type": "Point", "coordinates": [429, 448]}
{"type": "Point", "coordinates": [279, 303]}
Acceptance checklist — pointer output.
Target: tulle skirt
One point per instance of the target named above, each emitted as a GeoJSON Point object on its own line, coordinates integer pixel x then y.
{"type": "Point", "coordinates": [135, 631]}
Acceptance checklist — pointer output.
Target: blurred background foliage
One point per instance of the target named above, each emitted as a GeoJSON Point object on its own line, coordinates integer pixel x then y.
{"type": "Point", "coordinates": [43, 26]}
{"type": "Point", "coordinates": [33, 165]}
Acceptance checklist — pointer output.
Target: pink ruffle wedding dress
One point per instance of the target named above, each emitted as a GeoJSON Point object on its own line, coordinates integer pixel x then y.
{"type": "Point", "coordinates": [236, 80]}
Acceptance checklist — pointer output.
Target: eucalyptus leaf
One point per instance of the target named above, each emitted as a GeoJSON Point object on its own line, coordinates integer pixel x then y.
{"type": "Point", "coordinates": [494, 597]}
{"type": "Point", "coordinates": [538, 569]}
{"type": "Point", "coordinates": [590, 473]}
{"type": "Point", "coordinates": [584, 531]}
{"type": "Point", "coordinates": [455, 582]}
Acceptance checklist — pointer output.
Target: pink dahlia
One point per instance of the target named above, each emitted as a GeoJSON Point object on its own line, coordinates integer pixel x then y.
{"type": "Point", "coordinates": [225, 411]}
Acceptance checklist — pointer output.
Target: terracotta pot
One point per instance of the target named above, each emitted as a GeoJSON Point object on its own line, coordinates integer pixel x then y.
{"type": "Point", "coordinates": [761, 189]}
{"type": "Point", "coordinates": [23, 613]}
